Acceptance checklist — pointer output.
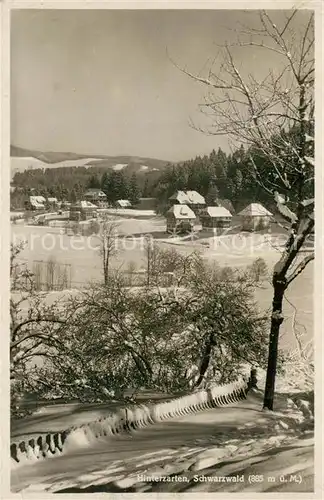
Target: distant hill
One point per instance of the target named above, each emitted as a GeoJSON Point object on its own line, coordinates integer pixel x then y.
{"type": "Point", "coordinates": [22, 159]}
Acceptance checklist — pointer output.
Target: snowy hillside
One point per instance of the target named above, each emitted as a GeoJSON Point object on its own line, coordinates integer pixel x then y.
{"type": "Point", "coordinates": [26, 163]}
{"type": "Point", "coordinates": [22, 159]}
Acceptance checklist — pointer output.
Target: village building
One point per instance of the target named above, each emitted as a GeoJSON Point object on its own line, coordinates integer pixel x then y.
{"type": "Point", "coordinates": [123, 204]}
{"type": "Point", "coordinates": [255, 217]}
{"type": "Point", "coordinates": [83, 210]}
{"type": "Point", "coordinates": [52, 202]}
{"type": "Point", "coordinates": [192, 199]}
{"type": "Point", "coordinates": [35, 203]}
{"type": "Point", "coordinates": [96, 196]}
{"type": "Point", "coordinates": [215, 218]}
{"type": "Point", "coordinates": [180, 218]}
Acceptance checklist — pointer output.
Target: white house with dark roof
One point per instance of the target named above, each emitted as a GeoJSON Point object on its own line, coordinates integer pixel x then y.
{"type": "Point", "coordinates": [180, 218]}
{"type": "Point", "coordinates": [255, 217]}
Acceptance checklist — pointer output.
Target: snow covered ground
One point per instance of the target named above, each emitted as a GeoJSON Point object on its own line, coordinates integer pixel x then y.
{"type": "Point", "coordinates": [230, 250]}
{"type": "Point", "coordinates": [234, 441]}
{"type": "Point", "coordinates": [128, 212]}
{"type": "Point", "coordinates": [255, 450]}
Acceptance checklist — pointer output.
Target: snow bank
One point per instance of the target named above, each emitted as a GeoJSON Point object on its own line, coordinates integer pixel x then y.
{"type": "Point", "coordinates": [125, 420]}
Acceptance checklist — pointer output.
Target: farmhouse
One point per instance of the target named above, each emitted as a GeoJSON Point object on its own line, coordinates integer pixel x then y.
{"type": "Point", "coordinates": [96, 196]}
{"type": "Point", "coordinates": [192, 199]}
{"type": "Point", "coordinates": [187, 197]}
{"type": "Point", "coordinates": [83, 210]}
{"type": "Point", "coordinates": [255, 217]}
{"type": "Point", "coordinates": [36, 203]}
{"type": "Point", "coordinates": [180, 218]}
{"type": "Point", "coordinates": [215, 218]}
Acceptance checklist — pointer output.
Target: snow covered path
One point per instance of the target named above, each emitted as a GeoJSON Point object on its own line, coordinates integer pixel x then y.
{"type": "Point", "coordinates": [239, 439]}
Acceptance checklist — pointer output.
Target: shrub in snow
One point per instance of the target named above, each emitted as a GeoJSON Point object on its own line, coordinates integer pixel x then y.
{"type": "Point", "coordinates": [120, 338]}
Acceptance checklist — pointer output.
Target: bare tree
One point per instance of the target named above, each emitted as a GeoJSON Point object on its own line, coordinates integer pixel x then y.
{"type": "Point", "coordinates": [108, 246]}
{"type": "Point", "coordinates": [130, 271]}
{"type": "Point", "coordinates": [274, 117]}
{"type": "Point", "coordinates": [151, 252]}
{"type": "Point", "coordinates": [51, 271]}
{"type": "Point", "coordinates": [34, 325]}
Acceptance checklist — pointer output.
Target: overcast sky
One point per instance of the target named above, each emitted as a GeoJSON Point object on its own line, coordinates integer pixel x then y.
{"type": "Point", "coordinates": [100, 82]}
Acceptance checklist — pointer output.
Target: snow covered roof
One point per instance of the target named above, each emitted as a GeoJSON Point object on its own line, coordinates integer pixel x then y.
{"type": "Point", "coordinates": [84, 204]}
{"type": "Point", "coordinates": [95, 191]}
{"type": "Point", "coordinates": [255, 209]}
{"type": "Point", "coordinates": [179, 196]}
{"type": "Point", "coordinates": [191, 197]}
{"type": "Point", "coordinates": [195, 197]}
{"type": "Point", "coordinates": [181, 212]}
{"type": "Point", "coordinates": [37, 201]}
{"type": "Point", "coordinates": [224, 202]}
{"type": "Point", "coordinates": [124, 203]}
{"type": "Point", "coordinates": [87, 204]}
{"type": "Point", "coordinates": [218, 212]}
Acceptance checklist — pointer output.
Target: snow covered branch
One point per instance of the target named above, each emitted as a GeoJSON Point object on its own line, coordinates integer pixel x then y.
{"type": "Point", "coordinates": [299, 269]}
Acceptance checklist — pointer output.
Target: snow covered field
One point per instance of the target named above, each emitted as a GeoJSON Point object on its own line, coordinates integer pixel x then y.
{"type": "Point", "coordinates": [237, 250]}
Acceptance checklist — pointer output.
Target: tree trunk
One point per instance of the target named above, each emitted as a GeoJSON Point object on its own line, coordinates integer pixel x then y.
{"type": "Point", "coordinates": [205, 360]}
{"type": "Point", "coordinates": [106, 269]}
{"type": "Point", "coordinates": [279, 286]}
{"type": "Point", "coordinates": [105, 275]}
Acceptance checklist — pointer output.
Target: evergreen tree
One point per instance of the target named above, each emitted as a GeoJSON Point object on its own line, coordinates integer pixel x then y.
{"type": "Point", "coordinates": [133, 190]}
{"type": "Point", "coordinates": [121, 186]}
{"type": "Point", "coordinates": [114, 186]}
{"type": "Point", "coordinates": [146, 189]}
{"type": "Point", "coordinates": [94, 182]}
{"type": "Point", "coordinates": [103, 180]}
{"type": "Point", "coordinates": [212, 195]}
{"type": "Point", "coordinates": [73, 196]}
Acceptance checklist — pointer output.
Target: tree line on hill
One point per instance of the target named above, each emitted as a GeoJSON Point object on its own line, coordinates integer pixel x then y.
{"type": "Point", "coordinates": [218, 175]}
{"type": "Point", "coordinates": [215, 176]}
{"type": "Point", "coordinates": [71, 183]}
